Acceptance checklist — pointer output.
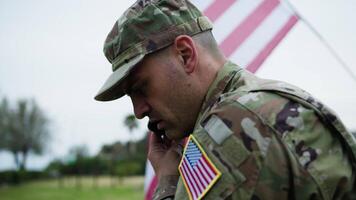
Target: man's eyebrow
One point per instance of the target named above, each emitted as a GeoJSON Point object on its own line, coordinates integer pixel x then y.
{"type": "Point", "coordinates": [129, 80]}
{"type": "Point", "coordinates": [127, 86]}
{"type": "Point", "coordinates": [132, 79]}
{"type": "Point", "coordinates": [132, 84]}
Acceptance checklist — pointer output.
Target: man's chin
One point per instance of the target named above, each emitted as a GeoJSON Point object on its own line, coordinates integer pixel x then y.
{"type": "Point", "coordinates": [176, 135]}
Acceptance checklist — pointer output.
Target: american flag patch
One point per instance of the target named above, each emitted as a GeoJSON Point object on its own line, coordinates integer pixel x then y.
{"type": "Point", "coordinates": [197, 171]}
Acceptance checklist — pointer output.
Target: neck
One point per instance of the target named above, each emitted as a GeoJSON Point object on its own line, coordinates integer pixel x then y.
{"type": "Point", "coordinates": [209, 70]}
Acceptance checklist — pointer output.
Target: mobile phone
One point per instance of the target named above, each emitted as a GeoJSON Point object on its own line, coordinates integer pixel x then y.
{"type": "Point", "coordinates": [155, 130]}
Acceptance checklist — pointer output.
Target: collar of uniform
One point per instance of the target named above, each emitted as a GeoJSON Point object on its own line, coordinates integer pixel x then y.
{"type": "Point", "coordinates": [224, 76]}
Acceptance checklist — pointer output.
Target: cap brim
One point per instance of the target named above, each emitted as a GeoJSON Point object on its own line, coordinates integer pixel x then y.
{"type": "Point", "coordinates": [112, 88]}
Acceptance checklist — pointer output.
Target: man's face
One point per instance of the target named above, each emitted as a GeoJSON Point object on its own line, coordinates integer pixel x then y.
{"type": "Point", "coordinates": [160, 89]}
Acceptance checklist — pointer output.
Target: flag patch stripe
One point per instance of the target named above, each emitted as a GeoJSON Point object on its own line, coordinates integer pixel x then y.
{"type": "Point", "coordinates": [197, 171]}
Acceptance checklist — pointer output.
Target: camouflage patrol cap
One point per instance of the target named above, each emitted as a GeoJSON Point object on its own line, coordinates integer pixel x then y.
{"type": "Point", "coordinates": [145, 27]}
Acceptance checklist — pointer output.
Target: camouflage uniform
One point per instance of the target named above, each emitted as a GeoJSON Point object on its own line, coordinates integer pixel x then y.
{"type": "Point", "coordinates": [268, 139]}
{"type": "Point", "coordinates": [271, 140]}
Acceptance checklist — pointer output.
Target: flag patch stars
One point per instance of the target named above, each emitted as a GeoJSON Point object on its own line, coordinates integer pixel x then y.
{"type": "Point", "coordinates": [197, 171]}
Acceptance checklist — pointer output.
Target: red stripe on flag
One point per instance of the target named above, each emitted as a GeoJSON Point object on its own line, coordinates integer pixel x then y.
{"type": "Point", "coordinates": [241, 32]}
{"type": "Point", "coordinates": [208, 170]}
{"type": "Point", "coordinates": [192, 187]}
{"type": "Point", "coordinates": [200, 174]}
{"type": "Point", "coordinates": [151, 188]}
{"type": "Point", "coordinates": [195, 181]}
{"type": "Point", "coordinates": [260, 58]}
{"type": "Point", "coordinates": [217, 8]}
{"type": "Point", "coordinates": [199, 182]}
{"type": "Point", "coordinates": [210, 167]}
{"type": "Point", "coordinates": [204, 173]}
{"type": "Point", "coordinates": [185, 178]}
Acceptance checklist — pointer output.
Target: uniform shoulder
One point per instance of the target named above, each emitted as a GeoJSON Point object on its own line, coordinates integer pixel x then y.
{"type": "Point", "coordinates": [277, 117]}
{"type": "Point", "coordinates": [244, 144]}
{"type": "Point", "coordinates": [233, 114]}
{"type": "Point", "coordinates": [264, 104]}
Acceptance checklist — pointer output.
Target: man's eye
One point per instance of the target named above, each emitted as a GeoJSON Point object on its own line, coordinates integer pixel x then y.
{"type": "Point", "coordinates": [137, 91]}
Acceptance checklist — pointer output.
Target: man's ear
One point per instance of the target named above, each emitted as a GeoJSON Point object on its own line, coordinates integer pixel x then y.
{"type": "Point", "coordinates": [187, 52]}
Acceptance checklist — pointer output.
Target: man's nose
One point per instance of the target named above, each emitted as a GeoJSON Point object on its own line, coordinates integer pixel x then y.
{"type": "Point", "coordinates": [141, 107]}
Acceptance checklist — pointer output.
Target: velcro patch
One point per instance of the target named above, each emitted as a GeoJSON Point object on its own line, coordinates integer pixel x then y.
{"type": "Point", "coordinates": [217, 129]}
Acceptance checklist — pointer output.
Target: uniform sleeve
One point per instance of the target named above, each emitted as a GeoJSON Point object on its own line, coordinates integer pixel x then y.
{"type": "Point", "coordinates": [292, 153]}
{"type": "Point", "coordinates": [264, 168]}
{"type": "Point", "coordinates": [166, 188]}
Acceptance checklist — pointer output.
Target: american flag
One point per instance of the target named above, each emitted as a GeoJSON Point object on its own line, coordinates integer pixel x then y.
{"type": "Point", "coordinates": [247, 31]}
{"type": "Point", "coordinates": [197, 171]}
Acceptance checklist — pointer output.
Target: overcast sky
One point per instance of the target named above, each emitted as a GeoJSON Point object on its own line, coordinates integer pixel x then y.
{"type": "Point", "coordinates": [51, 51]}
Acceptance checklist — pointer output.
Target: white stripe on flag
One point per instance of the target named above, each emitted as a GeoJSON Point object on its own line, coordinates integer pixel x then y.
{"type": "Point", "coordinates": [210, 173]}
{"type": "Point", "coordinates": [264, 33]}
{"type": "Point", "coordinates": [235, 27]}
{"type": "Point", "coordinates": [203, 4]}
{"type": "Point", "coordinates": [248, 26]}
{"type": "Point", "coordinates": [199, 174]}
{"type": "Point", "coordinates": [149, 174]}
{"type": "Point", "coordinates": [196, 179]}
{"type": "Point", "coordinates": [192, 186]}
{"type": "Point", "coordinates": [204, 173]}
{"type": "Point", "coordinates": [233, 17]}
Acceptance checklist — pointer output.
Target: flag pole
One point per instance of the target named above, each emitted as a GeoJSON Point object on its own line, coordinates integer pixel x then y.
{"type": "Point", "coordinates": [322, 40]}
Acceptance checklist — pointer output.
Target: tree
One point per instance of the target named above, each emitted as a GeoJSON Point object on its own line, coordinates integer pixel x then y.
{"type": "Point", "coordinates": [79, 153]}
{"type": "Point", "coordinates": [4, 123]}
{"type": "Point", "coordinates": [24, 130]}
{"type": "Point", "coordinates": [114, 151]}
{"type": "Point", "coordinates": [131, 123]}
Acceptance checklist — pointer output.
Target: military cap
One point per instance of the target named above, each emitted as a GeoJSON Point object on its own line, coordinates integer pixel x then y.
{"type": "Point", "coordinates": [145, 27]}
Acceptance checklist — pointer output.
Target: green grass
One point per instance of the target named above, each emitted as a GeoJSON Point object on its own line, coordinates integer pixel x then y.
{"type": "Point", "coordinates": [104, 189]}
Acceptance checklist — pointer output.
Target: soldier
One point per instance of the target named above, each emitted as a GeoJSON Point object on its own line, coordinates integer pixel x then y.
{"type": "Point", "coordinates": [248, 138]}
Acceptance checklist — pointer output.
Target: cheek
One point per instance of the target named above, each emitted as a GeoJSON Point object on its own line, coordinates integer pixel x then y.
{"type": "Point", "coordinates": [164, 101]}
{"type": "Point", "coordinates": [167, 95]}
{"type": "Point", "coordinates": [158, 97]}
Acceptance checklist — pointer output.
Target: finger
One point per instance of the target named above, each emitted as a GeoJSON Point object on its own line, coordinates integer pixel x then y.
{"type": "Point", "coordinates": [177, 147]}
{"type": "Point", "coordinates": [155, 142]}
{"type": "Point", "coordinates": [153, 139]}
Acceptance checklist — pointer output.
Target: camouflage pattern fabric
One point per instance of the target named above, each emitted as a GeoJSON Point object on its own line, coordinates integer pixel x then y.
{"type": "Point", "coordinates": [277, 142]}
{"type": "Point", "coordinates": [147, 26]}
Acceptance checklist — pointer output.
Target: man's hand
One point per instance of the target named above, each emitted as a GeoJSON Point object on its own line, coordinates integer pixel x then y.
{"type": "Point", "coordinates": [164, 156]}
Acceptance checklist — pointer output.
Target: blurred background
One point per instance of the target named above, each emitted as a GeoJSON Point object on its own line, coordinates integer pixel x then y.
{"type": "Point", "coordinates": [56, 138]}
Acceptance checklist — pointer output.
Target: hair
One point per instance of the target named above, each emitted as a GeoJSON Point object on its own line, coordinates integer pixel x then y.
{"type": "Point", "coordinates": [208, 42]}
{"type": "Point", "coordinates": [205, 40]}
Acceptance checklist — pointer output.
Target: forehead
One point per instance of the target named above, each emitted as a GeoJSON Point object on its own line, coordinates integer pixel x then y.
{"type": "Point", "coordinates": [138, 73]}
{"type": "Point", "coordinates": [150, 66]}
